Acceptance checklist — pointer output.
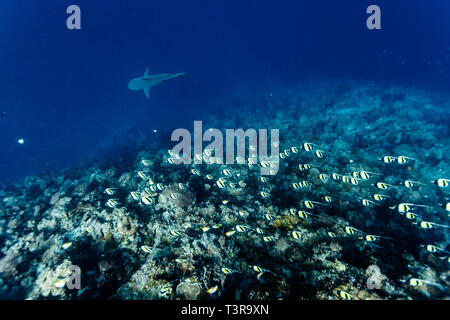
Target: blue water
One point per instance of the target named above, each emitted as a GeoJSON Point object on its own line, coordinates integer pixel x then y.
{"type": "Point", "coordinates": [65, 92]}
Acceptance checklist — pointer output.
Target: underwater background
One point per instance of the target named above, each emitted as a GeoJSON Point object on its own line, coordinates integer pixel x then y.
{"type": "Point", "coordinates": [311, 69]}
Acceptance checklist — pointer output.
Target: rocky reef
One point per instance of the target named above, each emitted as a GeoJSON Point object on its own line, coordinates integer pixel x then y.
{"type": "Point", "coordinates": [337, 219]}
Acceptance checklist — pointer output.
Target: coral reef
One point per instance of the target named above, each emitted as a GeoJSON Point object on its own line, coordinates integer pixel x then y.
{"type": "Point", "coordinates": [149, 229]}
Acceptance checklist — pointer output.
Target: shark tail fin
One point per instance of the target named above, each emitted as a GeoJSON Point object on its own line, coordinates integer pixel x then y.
{"type": "Point", "coordinates": [147, 92]}
{"type": "Point", "coordinates": [146, 72]}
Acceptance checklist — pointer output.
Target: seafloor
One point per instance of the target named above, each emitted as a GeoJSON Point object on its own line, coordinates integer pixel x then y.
{"type": "Point", "coordinates": [183, 235]}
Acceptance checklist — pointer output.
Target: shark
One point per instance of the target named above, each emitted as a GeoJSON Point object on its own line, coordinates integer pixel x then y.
{"type": "Point", "coordinates": [147, 81]}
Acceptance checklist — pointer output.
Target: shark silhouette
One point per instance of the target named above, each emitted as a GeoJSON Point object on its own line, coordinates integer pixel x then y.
{"type": "Point", "coordinates": [148, 81]}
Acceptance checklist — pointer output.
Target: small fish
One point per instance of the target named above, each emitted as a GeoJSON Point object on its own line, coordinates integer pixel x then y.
{"type": "Point", "coordinates": [147, 200]}
{"type": "Point", "coordinates": [263, 179]}
{"type": "Point", "coordinates": [66, 245]}
{"type": "Point", "coordinates": [287, 152]}
{"type": "Point", "coordinates": [259, 230]}
{"type": "Point", "coordinates": [305, 215]}
{"type": "Point", "coordinates": [319, 154]}
{"type": "Point", "coordinates": [323, 177]}
{"type": "Point", "coordinates": [442, 183]}
{"type": "Point", "coordinates": [379, 197]}
{"type": "Point", "coordinates": [241, 228]}
{"type": "Point", "coordinates": [160, 186]}
{"type": "Point", "coordinates": [195, 172]}
{"type": "Point", "coordinates": [205, 229]}
{"type": "Point", "coordinates": [336, 176]}
{"type": "Point", "coordinates": [308, 147]}
{"type": "Point", "coordinates": [212, 290]}
{"type": "Point", "coordinates": [346, 179]}
{"type": "Point", "coordinates": [146, 249]}
{"type": "Point", "coordinates": [332, 234]}
{"type": "Point", "coordinates": [208, 152]}
{"type": "Point", "coordinates": [405, 207]}
{"type": "Point", "coordinates": [268, 239]}
{"type": "Point", "coordinates": [371, 238]}
{"type": "Point", "coordinates": [110, 191]}
{"type": "Point", "coordinates": [365, 175]}
{"type": "Point", "coordinates": [411, 216]}
{"type": "Point", "coordinates": [303, 167]}
{"type": "Point", "coordinates": [366, 202]}
{"type": "Point", "coordinates": [415, 282]}
{"type": "Point", "coordinates": [240, 160]}
{"type": "Point", "coordinates": [311, 204]}
{"type": "Point", "coordinates": [294, 149]}
{"type": "Point", "coordinates": [269, 217]}
{"type": "Point", "coordinates": [179, 260]}
{"type": "Point", "coordinates": [112, 203]}
{"type": "Point", "coordinates": [226, 172]}
{"type": "Point", "coordinates": [221, 183]}
{"type": "Point", "coordinates": [431, 225]}
{"type": "Point", "coordinates": [143, 175]}
{"type": "Point", "coordinates": [344, 295]}
{"type": "Point", "coordinates": [174, 195]}
{"type": "Point", "coordinates": [166, 289]}
{"type": "Point", "coordinates": [259, 269]}
{"type": "Point", "coordinates": [209, 177]}
{"type": "Point", "coordinates": [383, 185]}
{"type": "Point", "coordinates": [434, 249]}
{"type": "Point", "coordinates": [135, 195]}
{"type": "Point", "coordinates": [175, 233]}
{"type": "Point", "coordinates": [228, 271]}
{"type": "Point", "coordinates": [388, 159]}
{"type": "Point", "coordinates": [403, 159]}
{"type": "Point", "coordinates": [296, 234]}
{"type": "Point", "coordinates": [351, 231]}
{"type": "Point", "coordinates": [264, 194]}
{"type": "Point", "coordinates": [303, 184]}
{"type": "Point", "coordinates": [146, 163]}
{"type": "Point", "coordinates": [411, 183]}
{"type": "Point", "coordinates": [230, 233]}
{"type": "Point", "coordinates": [265, 164]}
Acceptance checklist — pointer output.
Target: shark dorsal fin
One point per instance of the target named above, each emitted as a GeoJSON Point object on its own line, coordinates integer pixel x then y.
{"type": "Point", "coordinates": [146, 72]}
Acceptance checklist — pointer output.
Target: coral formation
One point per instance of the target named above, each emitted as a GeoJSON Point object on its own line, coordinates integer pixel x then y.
{"type": "Point", "coordinates": [148, 229]}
